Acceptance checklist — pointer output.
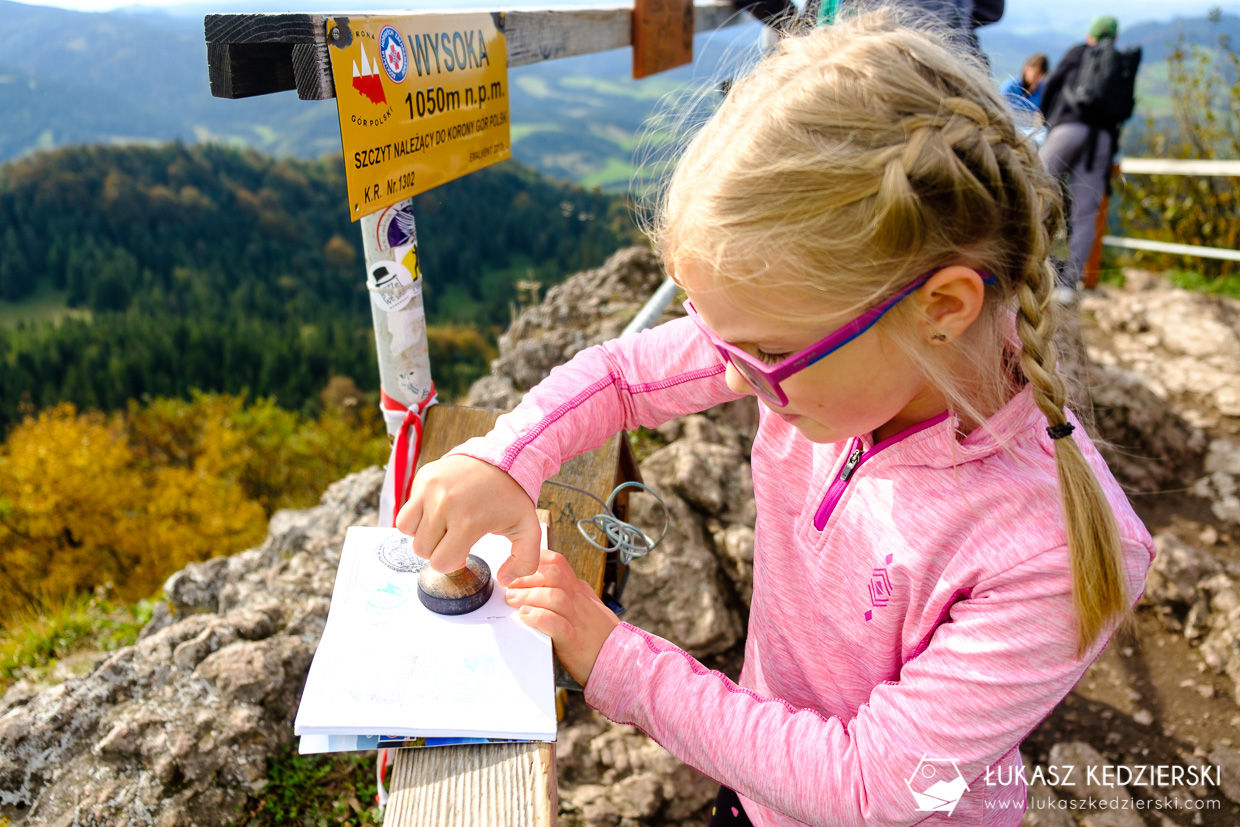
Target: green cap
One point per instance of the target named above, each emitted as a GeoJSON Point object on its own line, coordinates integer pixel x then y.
{"type": "Point", "coordinates": [1104, 26]}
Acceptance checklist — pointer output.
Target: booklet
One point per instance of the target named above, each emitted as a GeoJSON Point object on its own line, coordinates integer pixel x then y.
{"type": "Point", "coordinates": [388, 666]}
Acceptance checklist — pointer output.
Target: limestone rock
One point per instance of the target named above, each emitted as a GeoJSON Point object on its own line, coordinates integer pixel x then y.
{"type": "Point", "coordinates": [1081, 756]}
{"type": "Point", "coordinates": [178, 729]}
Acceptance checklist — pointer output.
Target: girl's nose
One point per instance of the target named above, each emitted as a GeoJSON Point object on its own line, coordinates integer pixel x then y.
{"type": "Point", "coordinates": [735, 381]}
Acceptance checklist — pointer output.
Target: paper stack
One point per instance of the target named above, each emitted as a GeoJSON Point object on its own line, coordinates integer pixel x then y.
{"type": "Point", "coordinates": [389, 672]}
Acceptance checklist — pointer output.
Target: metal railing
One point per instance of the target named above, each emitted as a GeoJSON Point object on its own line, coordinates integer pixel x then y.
{"type": "Point", "coordinates": [1162, 166]}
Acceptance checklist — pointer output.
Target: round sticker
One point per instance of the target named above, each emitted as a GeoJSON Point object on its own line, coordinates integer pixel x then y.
{"type": "Point", "coordinates": [392, 51]}
{"type": "Point", "coordinates": [396, 227]}
{"type": "Point", "coordinates": [391, 285]}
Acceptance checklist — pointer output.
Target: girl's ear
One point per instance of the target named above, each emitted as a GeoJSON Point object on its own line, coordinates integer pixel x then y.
{"type": "Point", "coordinates": [950, 301]}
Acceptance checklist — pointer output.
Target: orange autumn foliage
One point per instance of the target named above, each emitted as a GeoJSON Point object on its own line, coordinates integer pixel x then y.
{"type": "Point", "coordinates": [77, 510]}
{"type": "Point", "coordinates": [89, 498]}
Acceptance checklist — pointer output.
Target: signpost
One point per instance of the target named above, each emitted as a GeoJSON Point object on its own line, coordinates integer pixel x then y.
{"type": "Point", "coordinates": [423, 99]}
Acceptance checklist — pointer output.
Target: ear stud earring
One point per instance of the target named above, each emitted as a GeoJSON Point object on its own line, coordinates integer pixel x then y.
{"type": "Point", "coordinates": [939, 337]}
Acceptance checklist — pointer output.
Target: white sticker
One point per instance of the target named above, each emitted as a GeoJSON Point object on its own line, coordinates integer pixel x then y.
{"type": "Point", "coordinates": [391, 285]}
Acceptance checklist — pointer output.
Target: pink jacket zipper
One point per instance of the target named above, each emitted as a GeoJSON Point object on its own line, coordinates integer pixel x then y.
{"type": "Point", "coordinates": [856, 456]}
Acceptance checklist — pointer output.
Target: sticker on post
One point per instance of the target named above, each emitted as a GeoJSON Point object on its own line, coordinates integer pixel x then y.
{"type": "Point", "coordinates": [391, 285]}
{"type": "Point", "coordinates": [396, 227]}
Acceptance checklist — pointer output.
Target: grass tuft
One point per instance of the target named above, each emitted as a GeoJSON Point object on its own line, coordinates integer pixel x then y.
{"type": "Point", "coordinates": [316, 790]}
{"type": "Point", "coordinates": [32, 643]}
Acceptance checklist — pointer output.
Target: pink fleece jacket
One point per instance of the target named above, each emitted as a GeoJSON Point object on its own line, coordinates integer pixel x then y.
{"type": "Point", "coordinates": [912, 613]}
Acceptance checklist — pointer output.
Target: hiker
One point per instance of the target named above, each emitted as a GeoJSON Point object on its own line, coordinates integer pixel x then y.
{"type": "Point", "coordinates": [940, 552]}
{"type": "Point", "coordinates": [962, 16]}
{"type": "Point", "coordinates": [1025, 94]}
{"type": "Point", "coordinates": [1086, 100]}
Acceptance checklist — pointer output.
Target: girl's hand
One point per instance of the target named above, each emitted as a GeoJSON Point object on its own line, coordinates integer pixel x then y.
{"type": "Point", "coordinates": [454, 501]}
{"type": "Point", "coordinates": [556, 602]}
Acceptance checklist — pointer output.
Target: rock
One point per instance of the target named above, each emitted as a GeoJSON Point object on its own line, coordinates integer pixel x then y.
{"type": "Point", "coordinates": [1221, 485]}
{"type": "Point", "coordinates": [1042, 804]}
{"type": "Point", "coordinates": [179, 728]}
{"type": "Point", "coordinates": [1079, 785]}
{"type": "Point", "coordinates": [589, 308]}
{"type": "Point", "coordinates": [1227, 759]}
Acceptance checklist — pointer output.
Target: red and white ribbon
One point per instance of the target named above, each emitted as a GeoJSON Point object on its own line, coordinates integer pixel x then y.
{"type": "Point", "coordinates": [405, 449]}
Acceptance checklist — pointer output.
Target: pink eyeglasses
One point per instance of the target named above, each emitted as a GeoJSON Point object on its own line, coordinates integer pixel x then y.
{"type": "Point", "coordinates": [766, 379]}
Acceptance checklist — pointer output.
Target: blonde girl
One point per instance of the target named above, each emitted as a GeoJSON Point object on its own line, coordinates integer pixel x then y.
{"type": "Point", "coordinates": [940, 551]}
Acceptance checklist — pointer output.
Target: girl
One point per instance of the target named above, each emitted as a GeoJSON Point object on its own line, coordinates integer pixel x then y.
{"type": "Point", "coordinates": [940, 551]}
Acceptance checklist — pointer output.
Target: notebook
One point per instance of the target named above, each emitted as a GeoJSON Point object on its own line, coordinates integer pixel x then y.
{"type": "Point", "coordinates": [388, 666]}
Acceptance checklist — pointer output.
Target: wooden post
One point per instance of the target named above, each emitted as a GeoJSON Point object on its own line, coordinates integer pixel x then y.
{"type": "Point", "coordinates": [1093, 266]}
{"type": "Point", "coordinates": [662, 35]}
{"type": "Point", "coordinates": [257, 54]}
{"type": "Point", "coordinates": [394, 280]}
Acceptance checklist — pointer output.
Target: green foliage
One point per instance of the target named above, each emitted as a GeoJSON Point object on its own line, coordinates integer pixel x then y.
{"type": "Point", "coordinates": [316, 790]}
{"type": "Point", "coordinates": [34, 641]}
{"type": "Point", "coordinates": [1218, 285]}
{"type": "Point", "coordinates": [1198, 210]}
{"type": "Point", "coordinates": [227, 271]}
{"type": "Point", "coordinates": [644, 442]}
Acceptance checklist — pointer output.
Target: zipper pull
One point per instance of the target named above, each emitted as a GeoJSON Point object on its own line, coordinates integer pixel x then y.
{"type": "Point", "coordinates": [847, 470]}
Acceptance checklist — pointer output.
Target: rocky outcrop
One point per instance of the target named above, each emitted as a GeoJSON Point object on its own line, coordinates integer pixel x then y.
{"type": "Point", "coordinates": [178, 729]}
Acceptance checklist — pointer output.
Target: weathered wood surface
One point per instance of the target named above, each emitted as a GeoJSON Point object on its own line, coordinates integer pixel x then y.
{"type": "Point", "coordinates": [241, 48]}
{"type": "Point", "coordinates": [662, 35]}
{"type": "Point", "coordinates": [598, 471]}
{"type": "Point", "coordinates": [475, 785]}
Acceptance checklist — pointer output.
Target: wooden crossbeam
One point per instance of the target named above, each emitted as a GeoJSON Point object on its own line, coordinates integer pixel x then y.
{"type": "Point", "coordinates": [258, 54]}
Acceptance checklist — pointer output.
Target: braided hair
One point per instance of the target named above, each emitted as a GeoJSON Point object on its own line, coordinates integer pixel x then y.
{"type": "Point", "coordinates": [854, 159]}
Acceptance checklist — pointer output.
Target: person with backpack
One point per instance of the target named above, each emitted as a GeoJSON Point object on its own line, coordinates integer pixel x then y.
{"type": "Point", "coordinates": [1086, 99]}
{"type": "Point", "coordinates": [962, 16]}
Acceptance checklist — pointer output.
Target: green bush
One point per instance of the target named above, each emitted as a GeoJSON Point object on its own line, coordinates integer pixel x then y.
{"type": "Point", "coordinates": [1205, 125]}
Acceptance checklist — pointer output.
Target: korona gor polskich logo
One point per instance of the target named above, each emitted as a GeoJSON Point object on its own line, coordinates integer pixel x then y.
{"type": "Point", "coordinates": [936, 785]}
{"type": "Point", "coordinates": [393, 54]}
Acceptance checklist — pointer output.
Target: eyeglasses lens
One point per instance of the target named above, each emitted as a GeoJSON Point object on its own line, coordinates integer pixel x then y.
{"type": "Point", "coordinates": [756, 379]}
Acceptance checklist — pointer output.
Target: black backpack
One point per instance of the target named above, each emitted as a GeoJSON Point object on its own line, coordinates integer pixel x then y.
{"type": "Point", "coordinates": [987, 11]}
{"type": "Point", "coordinates": [1105, 90]}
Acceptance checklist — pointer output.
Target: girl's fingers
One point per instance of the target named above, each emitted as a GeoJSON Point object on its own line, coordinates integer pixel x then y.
{"type": "Point", "coordinates": [410, 515]}
{"type": "Point", "coordinates": [452, 549]}
{"type": "Point", "coordinates": [555, 600]}
{"type": "Point", "coordinates": [545, 621]}
{"type": "Point", "coordinates": [430, 532]}
{"type": "Point", "coordinates": [554, 571]}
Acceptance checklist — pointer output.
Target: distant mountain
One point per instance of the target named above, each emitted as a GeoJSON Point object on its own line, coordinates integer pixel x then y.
{"type": "Point", "coordinates": [71, 77]}
{"type": "Point", "coordinates": [122, 77]}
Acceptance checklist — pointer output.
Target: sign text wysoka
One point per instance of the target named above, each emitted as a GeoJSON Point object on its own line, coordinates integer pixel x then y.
{"type": "Point", "coordinates": [423, 99]}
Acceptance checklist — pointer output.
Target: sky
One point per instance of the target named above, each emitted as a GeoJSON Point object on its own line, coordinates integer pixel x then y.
{"type": "Point", "coordinates": [1020, 15]}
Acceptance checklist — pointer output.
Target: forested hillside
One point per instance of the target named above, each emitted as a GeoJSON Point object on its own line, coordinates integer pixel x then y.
{"type": "Point", "coordinates": [223, 270]}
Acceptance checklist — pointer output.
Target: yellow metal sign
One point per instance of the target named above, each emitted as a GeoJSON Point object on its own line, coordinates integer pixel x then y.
{"type": "Point", "coordinates": [422, 99]}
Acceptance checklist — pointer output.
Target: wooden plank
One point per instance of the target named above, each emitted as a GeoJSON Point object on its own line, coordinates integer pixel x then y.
{"type": "Point", "coordinates": [243, 70]}
{"type": "Point", "coordinates": [476, 784]}
{"type": "Point", "coordinates": [533, 37]}
{"type": "Point", "coordinates": [312, 72]}
{"type": "Point", "coordinates": [662, 35]}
